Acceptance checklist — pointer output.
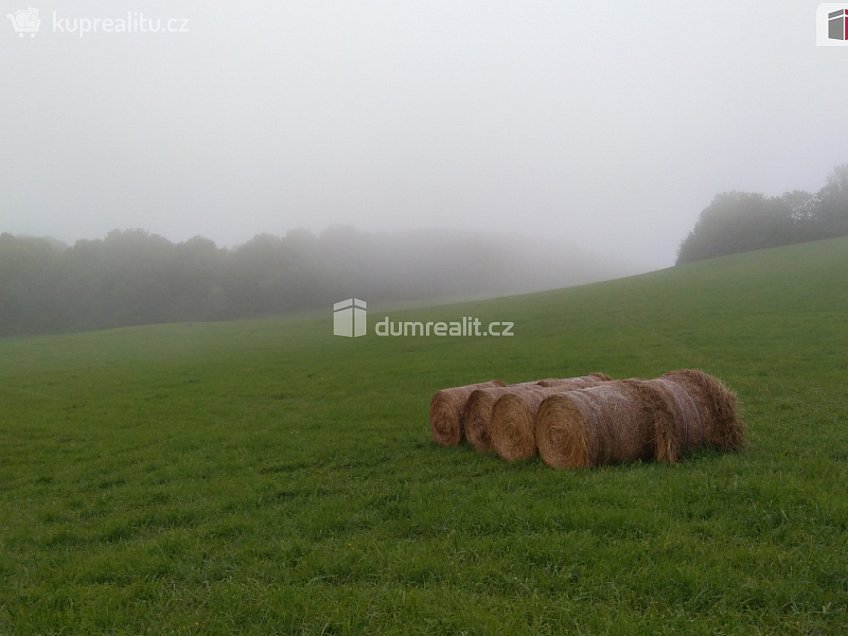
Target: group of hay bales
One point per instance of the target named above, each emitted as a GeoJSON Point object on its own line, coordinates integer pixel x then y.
{"type": "Point", "coordinates": [590, 420]}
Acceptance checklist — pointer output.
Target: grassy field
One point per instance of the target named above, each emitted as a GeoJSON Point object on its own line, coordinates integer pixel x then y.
{"type": "Point", "coordinates": [265, 476]}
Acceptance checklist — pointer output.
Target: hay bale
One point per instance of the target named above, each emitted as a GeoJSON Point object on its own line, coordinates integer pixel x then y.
{"type": "Point", "coordinates": [680, 421]}
{"type": "Point", "coordinates": [477, 416]}
{"type": "Point", "coordinates": [579, 382]}
{"type": "Point", "coordinates": [512, 430]}
{"type": "Point", "coordinates": [665, 406]}
{"type": "Point", "coordinates": [721, 426]}
{"type": "Point", "coordinates": [446, 412]}
{"type": "Point", "coordinates": [606, 424]}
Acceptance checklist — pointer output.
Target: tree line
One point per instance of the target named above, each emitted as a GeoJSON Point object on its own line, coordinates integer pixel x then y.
{"type": "Point", "coordinates": [742, 221]}
{"type": "Point", "coordinates": [132, 277]}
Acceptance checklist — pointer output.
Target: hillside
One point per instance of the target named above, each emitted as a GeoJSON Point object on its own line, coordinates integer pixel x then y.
{"type": "Point", "coordinates": [132, 277]}
{"type": "Point", "coordinates": [265, 475]}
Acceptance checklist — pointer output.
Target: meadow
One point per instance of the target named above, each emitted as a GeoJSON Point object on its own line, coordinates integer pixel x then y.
{"type": "Point", "coordinates": [264, 476]}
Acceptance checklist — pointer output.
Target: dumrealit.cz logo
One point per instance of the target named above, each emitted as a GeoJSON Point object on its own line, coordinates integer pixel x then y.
{"type": "Point", "coordinates": [350, 320]}
{"type": "Point", "coordinates": [832, 24]}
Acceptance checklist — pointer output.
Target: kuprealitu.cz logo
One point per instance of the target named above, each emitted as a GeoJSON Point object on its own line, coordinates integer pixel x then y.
{"type": "Point", "coordinates": [28, 22]}
{"type": "Point", "coordinates": [25, 22]}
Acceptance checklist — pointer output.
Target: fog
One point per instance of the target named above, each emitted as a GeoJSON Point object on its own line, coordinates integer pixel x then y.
{"type": "Point", "coordinates": [606, 128]}
{"type": "Point", "coordinates": [134, 277]}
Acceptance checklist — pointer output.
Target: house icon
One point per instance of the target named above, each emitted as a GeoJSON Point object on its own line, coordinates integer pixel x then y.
{"type": "Point", "coordinates": [350, 318]}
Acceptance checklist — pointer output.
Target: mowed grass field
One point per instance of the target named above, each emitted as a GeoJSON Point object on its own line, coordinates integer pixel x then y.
{"type": "Point", "coordinates": [267, 477]}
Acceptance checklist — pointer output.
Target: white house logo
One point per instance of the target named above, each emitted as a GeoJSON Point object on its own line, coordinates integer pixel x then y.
{"type": "Point", "coordinates": [350, 318]}
{"type": "Point", "coordinates": [25, 22]}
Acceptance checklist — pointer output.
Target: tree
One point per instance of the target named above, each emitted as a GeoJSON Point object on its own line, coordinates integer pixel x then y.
{"type": "Point", "coordinates": [831, 204]}
{"type": "Point", "coordinates": [739, 221]}
{"type": "Point", "coordinates": [29, 289]}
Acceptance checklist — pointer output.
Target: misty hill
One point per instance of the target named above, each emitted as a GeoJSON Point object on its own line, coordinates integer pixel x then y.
{"type": "Point", "coordinates": [269, 475]}
{"type": "Point", "coordinates": [133, 277]}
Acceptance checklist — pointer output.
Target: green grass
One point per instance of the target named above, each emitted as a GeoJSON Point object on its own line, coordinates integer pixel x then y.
{"type": "Point", "coordinates": [265, 476]}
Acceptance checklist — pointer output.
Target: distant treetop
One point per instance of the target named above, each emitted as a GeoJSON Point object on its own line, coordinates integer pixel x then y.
{"type": "Point", "coordinates": [742, 221]}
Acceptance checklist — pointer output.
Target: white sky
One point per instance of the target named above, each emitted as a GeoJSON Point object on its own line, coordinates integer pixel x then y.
{"type": "Point", "coordinates": [608, 126]}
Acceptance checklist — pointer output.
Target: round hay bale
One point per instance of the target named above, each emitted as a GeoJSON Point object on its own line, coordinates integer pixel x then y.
{"type": "Point", "coordinates": [578, 382]}
{"type": "Point", "coordinates": [677, 420]}
{"type": "Point", "coordinates": [513, 437]}
{"type": "Point", "coordinates": [477, 415]}
{"type": "Point", "coordinates": [446, 412]}
{"type": "Point", "coordinates": [605, 424]}
{"type": "Point", "coordinates": [717, 406]}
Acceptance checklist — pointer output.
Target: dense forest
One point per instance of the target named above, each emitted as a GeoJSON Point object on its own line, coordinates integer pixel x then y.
{"type": "Point", "coordinates": [741, 221]}
{"type": "Point", "coordinates": [134, 277]}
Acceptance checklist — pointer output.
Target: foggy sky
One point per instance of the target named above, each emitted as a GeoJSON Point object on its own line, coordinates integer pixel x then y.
{"type": "Point", "coordinates": [608, 126]}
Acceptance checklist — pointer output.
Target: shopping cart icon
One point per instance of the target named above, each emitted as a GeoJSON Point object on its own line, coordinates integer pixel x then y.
{"type": "Point", "coordinates": [25, 21]}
